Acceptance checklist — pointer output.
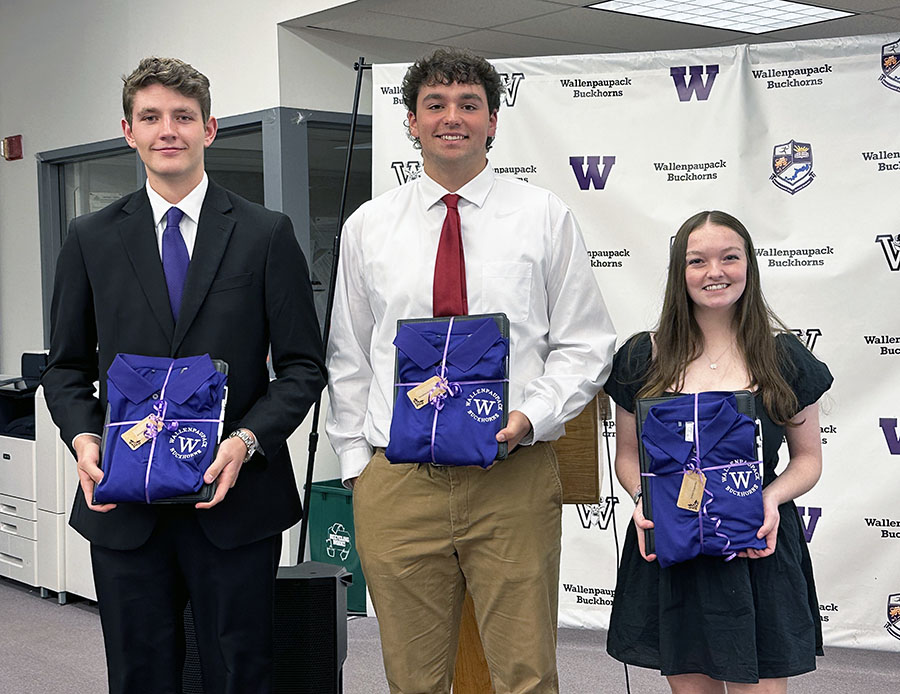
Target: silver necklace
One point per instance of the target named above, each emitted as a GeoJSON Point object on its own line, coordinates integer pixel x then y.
{"type": "Point", "coordinates": [714, 363]}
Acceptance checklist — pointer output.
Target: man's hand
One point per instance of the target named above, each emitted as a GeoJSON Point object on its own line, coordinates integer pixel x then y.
{"type": "Point", "coordinates": [517, 428]}
{"type": "Point", "coordinates": [87, 451]}
{"type": "Point", "coordinates": [225, 468]}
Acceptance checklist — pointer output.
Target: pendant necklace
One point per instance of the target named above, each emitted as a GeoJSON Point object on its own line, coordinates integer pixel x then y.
{"type": "Point", "coordinates": [714, 363]}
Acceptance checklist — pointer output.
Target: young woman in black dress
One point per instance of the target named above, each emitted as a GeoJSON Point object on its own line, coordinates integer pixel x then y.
{"type": "Point", "coordinates": [708, 625]}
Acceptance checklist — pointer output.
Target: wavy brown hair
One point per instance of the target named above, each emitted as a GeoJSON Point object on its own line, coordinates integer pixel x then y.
{"type": "Point", "coordinates": [169, 72]}
{"type": "Point", "coordinates": [679, 340]}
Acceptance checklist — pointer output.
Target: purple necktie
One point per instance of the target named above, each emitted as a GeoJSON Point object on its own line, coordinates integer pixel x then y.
{"type": "Point", "coordinates": [175, 258]}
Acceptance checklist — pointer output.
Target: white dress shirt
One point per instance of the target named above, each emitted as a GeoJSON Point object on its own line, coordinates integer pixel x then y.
{"type": "Point", "coordinates": [190, 204]}
{"type": "Point", "coordinates": [524, 256]}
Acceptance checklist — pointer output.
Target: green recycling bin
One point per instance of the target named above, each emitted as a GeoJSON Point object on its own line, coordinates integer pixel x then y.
{"type": "Point", "coordinates": [332, 538]}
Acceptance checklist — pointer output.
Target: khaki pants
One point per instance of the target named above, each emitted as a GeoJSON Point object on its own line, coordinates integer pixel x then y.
{"type": "Point", "coordinates": [425, 533]}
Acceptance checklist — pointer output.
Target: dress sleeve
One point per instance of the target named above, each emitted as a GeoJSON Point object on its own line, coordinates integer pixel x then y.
{"type": "Point", "coordinates": [807, 376]}
{"type": "Point", "coordinates": [629, 370]}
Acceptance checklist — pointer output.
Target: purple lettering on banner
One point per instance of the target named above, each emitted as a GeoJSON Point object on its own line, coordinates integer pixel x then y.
{"type": "Point", "coordinates": [591, 174]}
{"type": "Point", "coordinates": [889, 427]}
{"type": "Point", "coordinates": [809, 527]}
{"type": "Point", "coordinates": [696, 85]}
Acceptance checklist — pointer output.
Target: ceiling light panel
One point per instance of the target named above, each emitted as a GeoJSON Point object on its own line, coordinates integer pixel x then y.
{"type": "Point", "coordinates": [749, 16]}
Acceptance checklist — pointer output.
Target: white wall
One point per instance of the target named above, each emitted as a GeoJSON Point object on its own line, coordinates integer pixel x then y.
{"type": "Point", "coordinates": [60, 85]}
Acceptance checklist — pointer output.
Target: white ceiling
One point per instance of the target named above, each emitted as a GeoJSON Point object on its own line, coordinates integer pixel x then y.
{"type": "Point", "coordinates": [406, 29]}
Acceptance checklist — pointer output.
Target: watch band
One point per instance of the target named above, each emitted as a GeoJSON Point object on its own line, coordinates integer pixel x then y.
{"type": "Point", "coordinates": [637, 496]}
{"type": "Point", "coordinates": [248, 440]}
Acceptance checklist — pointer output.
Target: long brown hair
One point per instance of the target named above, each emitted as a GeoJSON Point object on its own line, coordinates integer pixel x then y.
{"type": "Point", "coordinates": [679, 340]}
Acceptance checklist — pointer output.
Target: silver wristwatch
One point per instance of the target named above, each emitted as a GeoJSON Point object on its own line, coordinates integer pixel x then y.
{"type": "Point", "coordinates": [248, 440]}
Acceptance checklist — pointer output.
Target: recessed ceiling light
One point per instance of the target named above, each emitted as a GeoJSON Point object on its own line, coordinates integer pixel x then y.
{"type": "Point", "coordinates": [749, 16]}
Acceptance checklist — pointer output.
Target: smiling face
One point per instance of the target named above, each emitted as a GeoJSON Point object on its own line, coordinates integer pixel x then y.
{"type": "Point", "coordinates": [453, 122]}
{"type": "Point", "coordinates": [716, 268]}
{"type": "Point", "coordinates": [169, 134]}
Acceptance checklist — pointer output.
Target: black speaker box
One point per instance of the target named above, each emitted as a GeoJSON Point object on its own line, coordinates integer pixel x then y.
{"type": "Point", "coordinates": [310, 632]}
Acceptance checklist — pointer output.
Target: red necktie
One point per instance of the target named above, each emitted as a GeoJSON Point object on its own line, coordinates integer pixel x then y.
{"type": "Point", "coordinates": [449, 291]}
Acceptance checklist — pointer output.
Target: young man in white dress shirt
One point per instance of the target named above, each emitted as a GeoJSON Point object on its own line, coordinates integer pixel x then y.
{"type": "Point", "coordinates": [426, 533]}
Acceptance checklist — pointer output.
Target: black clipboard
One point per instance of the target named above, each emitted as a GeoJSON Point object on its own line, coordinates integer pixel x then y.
{"type": "Point", "coordinates": [206, 491]}
{"type": "Point", "coordinates": [503, 325]}
{"type": "Point", "coordinates": [746, 405]}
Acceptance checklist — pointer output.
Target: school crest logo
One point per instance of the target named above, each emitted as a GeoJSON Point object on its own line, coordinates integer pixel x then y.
{"type": "Point", "coordinates": [891, 247]}
{"type": "Point", "coordinates": [484, 405]}
{"type": "Point", "coordinates": [187, 443]}
{"type": "Point", "coordinates": [742, 482]}
{"type": "Point", "coordinates": [893, 615]}
{"type": "Point", "coordinates": [792, 166]}
{"type": "Point", "coordinates": [890, 65]}
{"type": "Point", "coordinates": [406, 170]}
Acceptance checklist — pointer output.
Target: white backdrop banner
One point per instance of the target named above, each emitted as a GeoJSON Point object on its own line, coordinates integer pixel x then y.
{"type": "Point", "coordinates": [795, 139]}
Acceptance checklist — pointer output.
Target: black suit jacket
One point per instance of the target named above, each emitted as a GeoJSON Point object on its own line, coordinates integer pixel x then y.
{"type": "Point", "coordinates": [247, 288]}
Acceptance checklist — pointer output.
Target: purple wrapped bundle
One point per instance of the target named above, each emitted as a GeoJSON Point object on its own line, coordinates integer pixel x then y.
{"type": "Point", "coordinates": [703, 432]}
{"type": "Point", "coordinates": [170, 411]}
{"type": "Point", "coordinates": [464, 406]}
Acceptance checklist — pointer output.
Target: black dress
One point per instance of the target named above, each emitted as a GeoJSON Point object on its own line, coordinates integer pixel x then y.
{"type": "Point", "coordinates": [736, 621]}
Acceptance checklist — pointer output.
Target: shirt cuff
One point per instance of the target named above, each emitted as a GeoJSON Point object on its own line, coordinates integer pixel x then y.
{"type": "Point", "coordinates": [86, 433]}
{"type": "Point", "coordinates": [353, 462]}
{"type": "Point", "coordinates": [540, 414]}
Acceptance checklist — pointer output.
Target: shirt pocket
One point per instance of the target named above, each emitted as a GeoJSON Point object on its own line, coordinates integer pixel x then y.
{"type": "Point", "coordinates": [506, 288]}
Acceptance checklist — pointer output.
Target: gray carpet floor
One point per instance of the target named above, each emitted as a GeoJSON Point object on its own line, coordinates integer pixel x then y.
{"type": "Point", "coordinates": [46, 648]}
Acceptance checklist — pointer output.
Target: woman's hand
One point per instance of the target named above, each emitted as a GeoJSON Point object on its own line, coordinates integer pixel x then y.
{"type": "Point", "coordinates": [768, 530]}
{"type": "Point", "coordinates": [641, 524]}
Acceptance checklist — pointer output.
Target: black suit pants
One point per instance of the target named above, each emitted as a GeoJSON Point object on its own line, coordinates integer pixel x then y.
{"type": "Point", "coordinates": [142, 594]}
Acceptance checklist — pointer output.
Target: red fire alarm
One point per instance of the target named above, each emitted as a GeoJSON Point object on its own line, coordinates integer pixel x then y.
{"type": "Point", "coordinates": [12, 147]}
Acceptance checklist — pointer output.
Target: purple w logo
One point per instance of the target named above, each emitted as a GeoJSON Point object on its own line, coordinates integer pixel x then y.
{"type": "Point", "coordinates": [695, 85]}
{"type": "Point", "coordinates": [809, 527]}
{"type": "Point", "coordinates": [591, 174]}
{"type": "Point", "coordinates": [889, 427]}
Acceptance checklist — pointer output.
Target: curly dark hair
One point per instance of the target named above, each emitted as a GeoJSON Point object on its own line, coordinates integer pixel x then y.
{"type": "Point", "coordinates": [448, 66]}
{"type": "Point", "coordinates": [169, 72]}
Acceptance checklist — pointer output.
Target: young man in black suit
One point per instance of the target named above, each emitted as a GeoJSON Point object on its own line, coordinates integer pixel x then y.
{"type": "Point", "coordinates": [246, 291]}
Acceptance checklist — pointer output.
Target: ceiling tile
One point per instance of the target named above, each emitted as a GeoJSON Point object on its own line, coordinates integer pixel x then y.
{"type": "Point", "coordinates": [857, 25]}
{"type": "Point", "coordinates": [387, 26]}
{"type": "Point", "coordinates": [597, 27]}
{"type": "Point", "coordinates": [502, 44]}
{"type": "Point", "coordinates": [854, 5]}
{"type": "Point", "coordinates": [467, 13]}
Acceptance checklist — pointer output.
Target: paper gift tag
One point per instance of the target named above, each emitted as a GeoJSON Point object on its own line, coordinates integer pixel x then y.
{"type": "Point", "coordinates": [422, 394]}
{"type": "Point", "coordinates": [137, 435]}
{"type": "Point", "coordinates": [691, 494]}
